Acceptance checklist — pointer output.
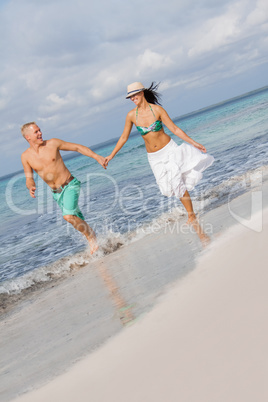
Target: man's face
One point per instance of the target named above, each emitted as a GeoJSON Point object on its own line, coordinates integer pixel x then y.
{"type": "Point", "coordinates": [34, 135]}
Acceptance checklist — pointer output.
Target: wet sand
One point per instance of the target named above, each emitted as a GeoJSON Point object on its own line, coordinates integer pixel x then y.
{"type": "Point", "coordinates": [206, 340]}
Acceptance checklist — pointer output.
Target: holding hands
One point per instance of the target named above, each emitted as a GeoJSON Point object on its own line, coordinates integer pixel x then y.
{"type": "Point", "coordinates": [102, 161]}
{"type": "Point", "coordinates": [107, 160]}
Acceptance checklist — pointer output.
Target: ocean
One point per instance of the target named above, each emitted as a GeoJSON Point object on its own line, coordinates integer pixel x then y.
{"type": "Point", "coordinates": [123, 203]}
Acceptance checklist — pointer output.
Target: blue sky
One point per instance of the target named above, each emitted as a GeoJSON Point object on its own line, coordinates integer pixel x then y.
{"type": "Point", "coordinates": [66, 64]}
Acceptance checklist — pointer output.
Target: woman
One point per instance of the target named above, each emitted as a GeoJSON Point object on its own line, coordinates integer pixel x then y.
{"type": "Point", "coordinates": [177, 169]}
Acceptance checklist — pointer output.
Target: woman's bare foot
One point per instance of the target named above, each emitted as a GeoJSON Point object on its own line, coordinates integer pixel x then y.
{"type": "Point", "coordinates": [192, 220]}
{"type": "Point", "coordinates": [204, 238]}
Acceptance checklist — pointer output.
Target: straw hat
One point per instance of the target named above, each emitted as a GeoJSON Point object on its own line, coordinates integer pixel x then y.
{"type": "Point", "coordinates": [134, 88]}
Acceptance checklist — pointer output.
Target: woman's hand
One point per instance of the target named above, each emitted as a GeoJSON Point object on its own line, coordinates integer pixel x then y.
{"type": "Point", "coordinates": [199, 146]}
{"type": "Point", "coordinates": [107, 160]}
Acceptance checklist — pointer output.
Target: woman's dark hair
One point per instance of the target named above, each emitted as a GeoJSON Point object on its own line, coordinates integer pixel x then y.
{"type": "Point", "coordinates": [151, 94]}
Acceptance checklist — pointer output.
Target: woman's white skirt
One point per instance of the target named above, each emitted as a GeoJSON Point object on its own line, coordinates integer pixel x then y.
{"type": "Point", "coordinates": [178, 168]}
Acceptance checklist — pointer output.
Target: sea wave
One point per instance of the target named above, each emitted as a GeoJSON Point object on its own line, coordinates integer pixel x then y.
{"type": "Point", "coordinates": [234, 186]}
{"type": "Point", "coordinates": [64, 266]}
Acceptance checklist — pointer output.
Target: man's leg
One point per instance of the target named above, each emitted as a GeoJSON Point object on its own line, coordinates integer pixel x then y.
{"type": "Point", "coordinates": [85, 229]}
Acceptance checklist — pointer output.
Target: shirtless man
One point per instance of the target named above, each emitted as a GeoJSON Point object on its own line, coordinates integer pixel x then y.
{"type": "Point", "coordinates": [43, 156]}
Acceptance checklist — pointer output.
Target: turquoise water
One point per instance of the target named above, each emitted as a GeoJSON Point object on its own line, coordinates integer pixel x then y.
{"type": "Point", "coordinates": [118, 202]}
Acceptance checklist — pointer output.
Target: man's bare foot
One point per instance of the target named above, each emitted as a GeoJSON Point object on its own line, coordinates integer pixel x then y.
{"type": "Point", "coordinates": [93, 244]}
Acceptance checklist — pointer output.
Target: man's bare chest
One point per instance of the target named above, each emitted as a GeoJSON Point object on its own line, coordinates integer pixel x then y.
{"type": "Point", "coordinates": [45, 159]}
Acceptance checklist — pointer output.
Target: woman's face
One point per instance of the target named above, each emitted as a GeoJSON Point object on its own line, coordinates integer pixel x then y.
{"type": "Point", "coordinates": [137, 98]}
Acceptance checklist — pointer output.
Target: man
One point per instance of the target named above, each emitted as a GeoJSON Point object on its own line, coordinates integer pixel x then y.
{"type": "Point", "coordinates": [43, 156]}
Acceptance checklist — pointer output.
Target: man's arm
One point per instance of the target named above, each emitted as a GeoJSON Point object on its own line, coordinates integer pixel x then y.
{"type": "Point", "coordinates": [70, 146]}
{"type": "Point", "coordinates": [28, 171]}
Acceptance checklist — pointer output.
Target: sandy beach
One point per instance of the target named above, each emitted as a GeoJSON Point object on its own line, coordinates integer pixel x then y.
{"type": "Point", "coordinates": [198, 337]}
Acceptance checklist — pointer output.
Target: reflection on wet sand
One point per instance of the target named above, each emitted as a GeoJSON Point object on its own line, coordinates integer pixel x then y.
{"type": "Point", "coordinates": [123, 309]}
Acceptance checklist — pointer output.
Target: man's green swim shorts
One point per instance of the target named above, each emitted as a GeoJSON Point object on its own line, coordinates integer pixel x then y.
{"type": "Point", "coordinates": [67, 199]}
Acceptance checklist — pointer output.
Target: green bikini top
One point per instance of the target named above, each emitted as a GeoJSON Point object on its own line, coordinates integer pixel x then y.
{"type": "Point", "coordinates": [156, 126]}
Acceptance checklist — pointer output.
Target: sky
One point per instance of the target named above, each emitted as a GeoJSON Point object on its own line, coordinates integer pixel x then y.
{"type": "Point", "coordinates": [66, 64]}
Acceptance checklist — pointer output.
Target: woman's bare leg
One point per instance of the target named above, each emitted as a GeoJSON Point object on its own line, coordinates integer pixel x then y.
{"type": "Point", "coordinates": [85, 229]}
{"type": "Point", "coordinates": [187, 203]}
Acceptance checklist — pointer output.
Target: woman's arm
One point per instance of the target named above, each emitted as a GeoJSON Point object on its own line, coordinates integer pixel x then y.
{"type": "Point", "coordinates": [123, 139]}
{"type": "Point", "coordinates": [177, 131]}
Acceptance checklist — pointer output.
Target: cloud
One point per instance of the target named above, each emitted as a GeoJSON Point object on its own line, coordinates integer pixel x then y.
{"type": "Point", "coordinates": [153, 61]}
{"type": "Point", "coordinates": [217, 33]}
{"type": "Point", "coordinates": [226, 31]}
{"type": "Point", "coordinates": [259, 15]}
{"type": "Point", "coordinates": [67, 64]}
